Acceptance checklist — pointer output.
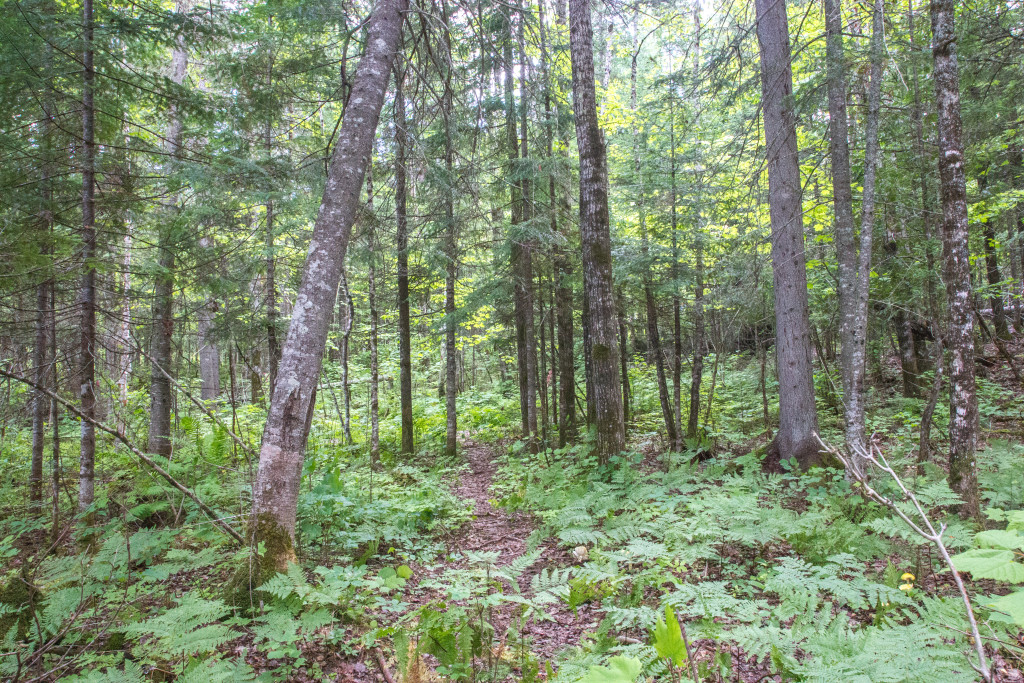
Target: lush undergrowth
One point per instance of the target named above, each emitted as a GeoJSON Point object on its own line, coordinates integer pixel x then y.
{"type": "Point", "coordinates": [683, 565]}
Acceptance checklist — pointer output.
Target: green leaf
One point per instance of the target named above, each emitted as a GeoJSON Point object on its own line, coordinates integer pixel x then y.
{"type": "Point", "coordinates": [990, 563]}
{"type": "Point", "coordinates": [619, 670]}
{"type": "Point", "coordinates": [1006, 540]}
{"type": "Point", "coordinates": [1013, 606]}
{"type": "Point", "coordinates": [404, 572]}
{"type": "Point", "coordinates": [668, 638]}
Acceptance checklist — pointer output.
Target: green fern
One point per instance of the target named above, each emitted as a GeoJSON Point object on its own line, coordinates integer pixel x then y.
{"type": "Point", "coordinates": [131, 673]}
{"type": "Point", "coordinates": [191, 628]}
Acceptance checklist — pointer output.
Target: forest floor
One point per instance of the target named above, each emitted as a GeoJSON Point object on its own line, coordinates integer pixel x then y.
{"type": "Point", "coordinates": [493, 529]}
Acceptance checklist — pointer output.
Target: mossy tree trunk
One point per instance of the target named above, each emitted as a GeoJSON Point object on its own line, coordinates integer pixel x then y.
{"type": "Point", "coordinates": [276, 490]}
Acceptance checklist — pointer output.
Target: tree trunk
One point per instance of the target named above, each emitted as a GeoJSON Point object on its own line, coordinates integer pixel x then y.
{"type": "Point", "coordinates": [563, 293]}
{"type": "Point", "coordinates": [908, 357]}
{"type": "Point", "coordinates": [515, 219]}
{"type": "Point", "coordinates": [41, 361]}
{"type": "Point", "coordinates": [963, 406]}
{"type": "Point", "coordinates": [553, 355]}
{"type": "Point", "coordinates": [276, 490]}
{"type": "Point", "coordinates": [924, 160]}
{"type": "Point", "coordinates": [54, 419]}
{"type": "Point", "coordinates": [854, 264]}
{"type": "Point", "coordinates": [273, 345]}
{"type": "Point", "coordinates": [87, 296]}
{"type": "Point", "coordinates": [1015, 271]}
{"type": "Point", "coordinates": [160, 398]}
{"type": "Point", "coordinates": [543, 379]}
{"type": "Point", "coordinates": [595, 239]}
{"type": "Point", "coordinates": [209, 354]}
{"type": "Point", "coordinates": [451, 258]}
{"type": "Point", "coordinates": [623, 358]}
{"type": "Point", "coordinates": [525, 280]}
{"type": "Point", "coordinates": [566, 351]}
{"type": "Point", "coordinates": [347, 310]}
{"type": "Point", "coordinates": [699, 341]}
{"type": "Point", "coordinates": [798, 420]}
{"type": "Point", "coordinates": [125, 345]}
{"type": "Point", "coordinates": [371, 238]}
{"type": "Point", "coordinates": [40, 402]}
{"type": "Point", "coordinates": [401, 221]}
{"type": "Point", "coordinates": [651, 307]}
{"type": "Point", "coordinates": [992, 274]}
{"type": "Point", "coordinates": [255, 378]}
{"type": "Point", "coordinates": [677, 325]}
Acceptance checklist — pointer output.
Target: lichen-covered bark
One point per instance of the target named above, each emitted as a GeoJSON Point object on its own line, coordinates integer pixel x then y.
{"type": "Point", "coordinates": [595, 239]}
{"type": "Point", "coordinates": [798, 420]}
{"type": "Point", "coordinates": [275, 492]}
{"type": "Point", "coordinates": [87, 293]}
{"type": "Point", "coordinates": [963, 406]}
{"type": "Point", "coordinates": [854, 260]}
{"type": "Point", "coordinates": [209, 354]}
{"type": "Point", "coordinates": [371, 292]}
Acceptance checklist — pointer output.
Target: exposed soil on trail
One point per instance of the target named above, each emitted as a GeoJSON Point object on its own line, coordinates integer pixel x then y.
{"type": "Point", "coordinates": [495, 529]}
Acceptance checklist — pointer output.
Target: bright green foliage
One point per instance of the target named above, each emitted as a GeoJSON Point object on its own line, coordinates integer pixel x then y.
{"type": "Point", "coordinates": [998, 557]}
{"type": "Point", "coordinates": [618, 670]}
{"type": "Point", "coordinates": [668, 638]}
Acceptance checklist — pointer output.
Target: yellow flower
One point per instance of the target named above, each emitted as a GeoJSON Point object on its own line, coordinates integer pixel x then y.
{"type": "Point", "coordinates": [907, 576]}
{"type": "Point", "coordinates": [906, 586]}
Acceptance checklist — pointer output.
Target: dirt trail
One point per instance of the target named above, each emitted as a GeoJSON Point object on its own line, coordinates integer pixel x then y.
{"type": "Point", "coordinates": [498, 530]}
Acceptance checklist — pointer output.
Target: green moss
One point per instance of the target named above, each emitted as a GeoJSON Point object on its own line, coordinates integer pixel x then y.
{"type": "Point", "coordinates": [16, 594]}
{"type": "Point", "coordinates": [278, 552]}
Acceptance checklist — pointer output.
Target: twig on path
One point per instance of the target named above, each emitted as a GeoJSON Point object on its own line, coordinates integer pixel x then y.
{"type": "Point", "coordinates": [383, 667]}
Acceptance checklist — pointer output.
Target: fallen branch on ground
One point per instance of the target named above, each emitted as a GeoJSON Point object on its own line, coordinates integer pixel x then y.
{"type": "Point", "coordinates": [925, 529]}
{"type": "Point", "coordinates": [224, 526]}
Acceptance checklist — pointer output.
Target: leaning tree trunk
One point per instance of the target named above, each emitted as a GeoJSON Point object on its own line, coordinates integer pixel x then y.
{"type": "Point", "coordinates": [798, 421]}
{"type": "Point", "coordinates": [401, 221]}
{"type": "Point", "coordinates": [160, 397]}
{"type": "Point", "coordinates": [595, 239]}
{"type": "Point", "coordinates": [963, 405]}
{"type": "Point", "coordinates": [87, 295]}
{"type": "Point", "coordinates": [854, 264]}
{"type": "Point", "coordinates": [276, 490]}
